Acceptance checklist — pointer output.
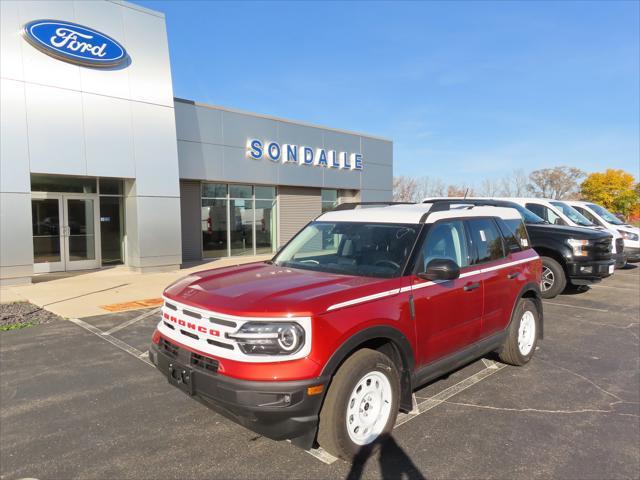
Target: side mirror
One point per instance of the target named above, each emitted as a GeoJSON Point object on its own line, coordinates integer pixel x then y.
{"type": "Point", "coordinates": [441, 269]}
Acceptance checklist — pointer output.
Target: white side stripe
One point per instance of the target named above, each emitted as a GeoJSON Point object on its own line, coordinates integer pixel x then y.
{"type": "Point", "coordinates": [348, 303]}
{"type": "Point", "coordinates": [395, 291]}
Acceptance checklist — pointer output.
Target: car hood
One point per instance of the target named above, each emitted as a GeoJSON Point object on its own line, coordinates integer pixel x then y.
{"type": "Point", "coordinates": [585, 233]}
{"type": "Point", "coordinates": [264, 289]}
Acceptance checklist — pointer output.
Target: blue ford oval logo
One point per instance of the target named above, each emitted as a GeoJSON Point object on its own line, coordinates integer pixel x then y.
{"type": "Point", "coordinates": [74, 43]}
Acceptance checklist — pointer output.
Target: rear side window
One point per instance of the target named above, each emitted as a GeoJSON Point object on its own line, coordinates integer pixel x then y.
{"type": "Point", "coordinates": [515, 234]}
{"type": "Point", "coordinates": [486, 239]}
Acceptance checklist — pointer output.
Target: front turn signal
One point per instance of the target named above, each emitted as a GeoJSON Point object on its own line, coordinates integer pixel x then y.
{"type": "Point", "coordinates": [315, 390]}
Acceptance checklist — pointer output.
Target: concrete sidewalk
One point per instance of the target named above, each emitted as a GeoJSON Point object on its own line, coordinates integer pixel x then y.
{"type": "Point", "coordinates": [83, 294]}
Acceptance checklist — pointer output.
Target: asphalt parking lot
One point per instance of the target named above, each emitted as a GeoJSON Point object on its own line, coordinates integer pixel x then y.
{"type": "Point", "coordinates": [80, 400]}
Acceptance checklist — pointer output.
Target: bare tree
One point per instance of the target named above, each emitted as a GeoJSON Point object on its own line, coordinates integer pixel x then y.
{"type": "Point", "coordinates": [430, 187]}
{"type": "Point", "coordinates": [491, 188]}
{"type": "Point", "coordinates": [515, 184]}
{"type": "Point", "coordinates": [405, 189]}
{"type": "Point", "coordinates": [460, 191]}
{"type": "Point", "coordinates": [558, 182]}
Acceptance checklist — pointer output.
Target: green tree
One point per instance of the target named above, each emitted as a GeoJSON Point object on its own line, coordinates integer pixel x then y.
{"type": "Point", "coordinates": [615, 190]}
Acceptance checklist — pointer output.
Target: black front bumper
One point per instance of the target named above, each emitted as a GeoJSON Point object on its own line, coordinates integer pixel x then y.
{"type": "Point", "coordinates": [278, 410]}
{"type": "Point", "coordinates": [589, 272]}
{"type": "Point", "coordinates": [633, 254]}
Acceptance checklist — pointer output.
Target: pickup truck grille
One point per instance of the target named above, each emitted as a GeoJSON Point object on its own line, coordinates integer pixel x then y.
{"type": "Point", "coordinates": [602, 249]}
{"type": "Point", "coordinates": [619, 245]}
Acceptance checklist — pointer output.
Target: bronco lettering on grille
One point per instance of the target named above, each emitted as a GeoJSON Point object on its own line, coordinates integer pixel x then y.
{"type": "Point", "coordinates": [191, 326]}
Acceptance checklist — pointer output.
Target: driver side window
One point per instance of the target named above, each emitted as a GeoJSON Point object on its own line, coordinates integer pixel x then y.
{"type": "Point", "coordinates": [446, 239]}
{"type": "Point", "coordinates": [588, 214]}
{"type": "Point", "coordinates": [553, 218]}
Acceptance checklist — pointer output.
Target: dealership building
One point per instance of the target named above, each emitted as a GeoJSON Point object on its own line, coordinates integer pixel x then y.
{"type": "Point", "coordinates": [102, 166]}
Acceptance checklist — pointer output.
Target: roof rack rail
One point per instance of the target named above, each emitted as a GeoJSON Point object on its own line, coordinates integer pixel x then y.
{"type": "Point", "coordinates": [440, 205]}
{"type": "Point", "coordinates": [468, 201]}
{"type": "Point", "coordinates": [354, 205]}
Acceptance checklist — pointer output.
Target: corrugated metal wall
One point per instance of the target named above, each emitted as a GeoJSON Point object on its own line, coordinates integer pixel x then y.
{"type": "Point", "coordinates": [190, 214]}
{"type": "Point", "coordinates": [297, 207]}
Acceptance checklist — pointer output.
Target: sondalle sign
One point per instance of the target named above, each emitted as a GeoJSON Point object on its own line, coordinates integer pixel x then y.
{"type": "Point", "coordinates": [303, 155]}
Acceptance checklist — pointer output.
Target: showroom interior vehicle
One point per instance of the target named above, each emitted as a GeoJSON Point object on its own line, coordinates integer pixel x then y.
{"type": "Point", "coordinates": [327, 341]}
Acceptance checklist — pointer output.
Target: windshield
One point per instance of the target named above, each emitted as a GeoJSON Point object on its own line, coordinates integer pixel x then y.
{"type": "Point", "coordinates": [574, 215]}
{"type": "Point", "coordinates": [606, 214]}
{"type": "Point", "coordinates": [351, 248]}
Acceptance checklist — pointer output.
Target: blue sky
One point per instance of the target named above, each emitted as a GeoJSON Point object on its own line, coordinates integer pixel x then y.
{"type": "Point", "coordinates": [466, 90]}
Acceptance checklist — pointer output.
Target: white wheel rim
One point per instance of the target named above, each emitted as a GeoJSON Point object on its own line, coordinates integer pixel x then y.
{"type": "Point", "coordinates": [368, 408]}
{"type": "Point", "coordinates": [548, 279]}
{"type": "Point", "coordinates": [526, 333]}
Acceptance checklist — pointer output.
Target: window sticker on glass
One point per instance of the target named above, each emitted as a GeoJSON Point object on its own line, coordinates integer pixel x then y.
{"type": "Point", "coordinates": [483, 237]}
{"type": "Point", "coordinates": [524, 242]}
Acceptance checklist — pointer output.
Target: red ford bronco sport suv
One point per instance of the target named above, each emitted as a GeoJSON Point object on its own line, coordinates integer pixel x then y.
{"type": "Point", "coordinates": [326, 342]}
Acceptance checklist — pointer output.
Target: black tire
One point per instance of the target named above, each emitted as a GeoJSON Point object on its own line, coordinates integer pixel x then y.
{"type": "Point", "coordinates": [332, 430]}
{"type": "Point", "coordinates": [553, 271]}
{"type": "Point", "coordinates": [510, 351]}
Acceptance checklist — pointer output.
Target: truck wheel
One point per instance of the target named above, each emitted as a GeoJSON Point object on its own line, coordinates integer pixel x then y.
{"type": "Point", "coordinates": [361, 404]}
{"type": "Point", "coordinates": [522, 335]}
{"type": "Point", "coordinates": [553, 278]}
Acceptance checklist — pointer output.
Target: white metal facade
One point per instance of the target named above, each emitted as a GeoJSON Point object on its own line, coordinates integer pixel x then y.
{"type": "Point", "coordinates": [63, 119]}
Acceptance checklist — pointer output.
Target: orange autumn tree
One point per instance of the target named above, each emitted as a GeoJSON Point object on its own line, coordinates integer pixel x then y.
{"type": "Point", "coordinates": [616, 190]}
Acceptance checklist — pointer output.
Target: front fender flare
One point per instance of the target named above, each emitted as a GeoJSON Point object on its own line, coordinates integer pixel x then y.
{"type": "Point", "coordinates": [379, 332]}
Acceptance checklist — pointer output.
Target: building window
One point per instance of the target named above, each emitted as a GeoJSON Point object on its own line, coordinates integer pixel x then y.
{"type": "Point", "coordinates": [111, 220]}
{"type": "Point", "coordinates": [237, 220]}
{"type": "Point", "coordinates": [265, 219]}
{"type": "Point", "coordinates": [329, 200]}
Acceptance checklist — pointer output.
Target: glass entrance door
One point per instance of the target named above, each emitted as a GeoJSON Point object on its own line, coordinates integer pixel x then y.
{"type": "Point", "coordinates": [81, 225]}
{"type": "Point", "coordinates": [48, 248]}
{"type": "Point", "coordinates": [65, 232]}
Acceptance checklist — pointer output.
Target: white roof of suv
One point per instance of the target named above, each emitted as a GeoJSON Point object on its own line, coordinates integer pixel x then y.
{"type": "Point", "coordinates": [414, 213]}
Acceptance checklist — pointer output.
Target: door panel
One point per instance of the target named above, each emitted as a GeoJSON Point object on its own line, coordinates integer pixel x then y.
{"type": "Point", "coordinates": [448, 315]}
{"type": "Point", "coordinates": [490, 251]}
{"type": "Point", "coordinates": [81, 221]}
{"type": "Point", "coordinates": [448, 318]}
{"type": "Point", "coordinates": [46, 214]}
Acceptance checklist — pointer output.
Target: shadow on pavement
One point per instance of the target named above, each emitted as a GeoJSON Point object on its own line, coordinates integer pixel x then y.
{"type": "Point", "coordinates": [394, 462]}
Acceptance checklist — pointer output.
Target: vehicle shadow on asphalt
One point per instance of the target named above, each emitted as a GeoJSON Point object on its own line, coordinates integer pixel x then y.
{"type": "Point", "coordinates": [394, 462]}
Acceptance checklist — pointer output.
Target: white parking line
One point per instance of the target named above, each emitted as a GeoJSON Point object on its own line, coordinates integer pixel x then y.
{"type": "Point", "coordinates": [577, 306]}
{"type": "Point", "coordinates": [112, 340]}
{"type": "Point", "coordinates": [132, 321]}
{"type": "Point", "coordinates": [615, 288]}
{"type": "Point", "coordinates": [447, 393]}
{"type": "Point", "coordinates": [427, 404]}
{"type": "Point", "coordinates": [320, 453]}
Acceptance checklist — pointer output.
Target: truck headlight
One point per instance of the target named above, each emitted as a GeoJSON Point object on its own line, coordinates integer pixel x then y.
{"type": "Point", "coordinates": [269, 338]}
{"type": "Point", "coordinates": [628, 235]}
{"type": "Point", "coordinates": [578, 247]}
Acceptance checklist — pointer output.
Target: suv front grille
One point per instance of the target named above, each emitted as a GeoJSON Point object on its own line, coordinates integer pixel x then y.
{"type": "Point", "coordinates": [169, 348]}
{"type": "Point", "coordinates": [205, 363]}
{"type": "Point", "coordinates": [196, 360]}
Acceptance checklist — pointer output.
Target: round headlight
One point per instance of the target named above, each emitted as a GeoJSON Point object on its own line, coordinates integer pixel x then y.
{"type": "Point", "coordinates": [288, 338]}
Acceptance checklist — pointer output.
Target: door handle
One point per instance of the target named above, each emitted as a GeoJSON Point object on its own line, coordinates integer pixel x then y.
{"type": "Point", "coordinates": [513, 275]}
{"type": "Point", "coordinates": [471, 286]}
